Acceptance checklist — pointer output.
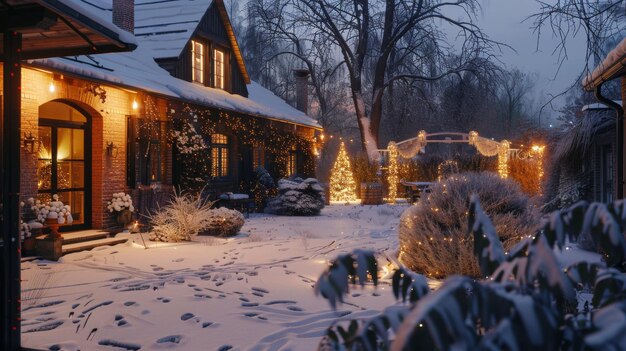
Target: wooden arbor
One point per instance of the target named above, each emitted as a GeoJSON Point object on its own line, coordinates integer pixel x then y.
{"type": "Point", "coordinates": [31, 29]}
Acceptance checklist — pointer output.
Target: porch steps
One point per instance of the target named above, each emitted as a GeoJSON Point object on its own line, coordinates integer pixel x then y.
{"type": "Point", "coordinates": [90, 244]}
{"type": "Point", "coordinates": [87, 240]}
{"type": "Point", "coordinates": [83, 235]}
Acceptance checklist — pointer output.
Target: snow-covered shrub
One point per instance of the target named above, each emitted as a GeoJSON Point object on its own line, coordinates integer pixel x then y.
{"type": "Point", "coordinates": [120, 202]}
{"type": "Point", "coordinates": [182, 219]}
{"type": "Point", "coordinates": [529, 301]}
{"type": "Point", "coordinates": [433, 233]}
{"type": "Point", "coordinates": [54, 209]}
{"type": "Point", "coordinates": [297, 197]}
{"type": "Point", "coordinates": [187, 140]}
{"type": "Point", "coordinates": [223, 222]}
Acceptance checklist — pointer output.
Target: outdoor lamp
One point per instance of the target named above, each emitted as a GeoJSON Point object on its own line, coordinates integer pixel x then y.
{"type": "Point", "coordinates": [112, 149]}
{"type": "Point", "coordinates": [28, 143]}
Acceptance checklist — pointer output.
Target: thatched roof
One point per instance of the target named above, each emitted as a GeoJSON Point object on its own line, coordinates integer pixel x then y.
{"type": "Point", "coordinates": [575, 142]}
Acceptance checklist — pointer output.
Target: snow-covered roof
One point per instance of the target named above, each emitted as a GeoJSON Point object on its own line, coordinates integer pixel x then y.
{"type": "Point", "coordinates": [614, 62]}
{"type": "Point", "coordinates": [138, 70]}
{"type": "Point", "coordinates": [599, 106]}
{"type": "Point", "coordinates": [167, 26]}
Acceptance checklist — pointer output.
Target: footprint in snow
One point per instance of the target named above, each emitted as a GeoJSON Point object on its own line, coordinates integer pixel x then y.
{"type": "Point", "coordinates": [174, 339]}
{"type": "Point", "coordinates": [225, 348]}
{"type": "Point", "coordinates": [186, 316]}
{"type": "Point", "coordinates": [178, 260]}
{"type": "Point", "coordinates": [295, 308]}
{"type": "Point", "coordinates": [130, 303]}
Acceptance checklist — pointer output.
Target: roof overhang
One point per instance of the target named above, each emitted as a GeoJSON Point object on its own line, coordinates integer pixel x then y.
{"type": "Point", "coordinates": [612, 67]}
{"type": "Point", "coordinates": [52, 28]}
{"type": "Point", "coordinates": [233, 39]}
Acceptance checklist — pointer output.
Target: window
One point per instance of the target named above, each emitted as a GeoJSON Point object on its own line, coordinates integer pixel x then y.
{"type": "Point", "coordinates": [197, 63]}
{"type": "Point", "coordinates": [258, 157]}
{"type": "Point", "coordinates": [291, 167]}
{"type": "Point", "coordinates": [607, 174]}
{"type": "Point", "coordinates": [218, 68]}
{"type": "Point", "coordinates": [219, 155]}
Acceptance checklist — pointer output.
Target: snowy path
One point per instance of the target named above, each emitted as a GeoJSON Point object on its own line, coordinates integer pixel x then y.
{"type": "Point", "coordinates": [250, 292]}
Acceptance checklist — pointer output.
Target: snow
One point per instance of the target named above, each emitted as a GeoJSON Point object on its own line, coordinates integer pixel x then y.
{"type": "Point", "coordinates": [138, 70]}
{"type": "Point", "coordinates": [253, 291]}
{"type": "Point", "coordinates": [613, 57]}
{"type": "Point", "coordinates": [100, 17]}
{"type": "Point", "coordinates": [599, 106]}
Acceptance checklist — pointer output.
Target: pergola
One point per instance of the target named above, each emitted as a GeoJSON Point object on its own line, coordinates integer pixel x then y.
{"type": "Point", "coordinates": [31, 29]}
{"type": "Point", "coordinates": [411, 147]}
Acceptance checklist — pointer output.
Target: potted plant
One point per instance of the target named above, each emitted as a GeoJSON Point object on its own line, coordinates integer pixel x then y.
{"type": "Point", "coordinates": [121, 205]}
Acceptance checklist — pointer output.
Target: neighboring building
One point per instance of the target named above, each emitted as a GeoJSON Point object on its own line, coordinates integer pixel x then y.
{"type": "Point", "coordinates": [613, 67]}
{"type": "Point", "coordinates": [105, 122]}
{"type": "Point", "coordinates": [584, 159]}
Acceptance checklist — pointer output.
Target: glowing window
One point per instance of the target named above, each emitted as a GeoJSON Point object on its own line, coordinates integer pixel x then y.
{"type": "Point", "coordinates": [219, 155]}
{"type": "Point", "coordinates": [218, 68]}
{"type": "Point", "coordinates": [197, 63]}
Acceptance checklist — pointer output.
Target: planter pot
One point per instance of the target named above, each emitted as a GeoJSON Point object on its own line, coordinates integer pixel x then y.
{"type": "Point", "coordinates": [28, 246]}
{"type": "Point", "coordinates": [371, 193]}
{"type": "Point", "coordinates": [124, 217]}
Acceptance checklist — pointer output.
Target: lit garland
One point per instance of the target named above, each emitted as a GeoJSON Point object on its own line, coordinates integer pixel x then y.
{"type": "Point", "coordinates": [538, 153]}
{"type": "Point", "coordinates": [392, 175]}
{"type": "Point", "coordinates": [277, 140]}
{"type": "Point", "coordinates": [503, 159]}
{"type": "Point", "coordinates": [342, 186]}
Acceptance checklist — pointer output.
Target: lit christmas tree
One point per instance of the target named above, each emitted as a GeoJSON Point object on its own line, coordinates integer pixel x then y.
{"type": "Point", "coordinates": [342, 186]}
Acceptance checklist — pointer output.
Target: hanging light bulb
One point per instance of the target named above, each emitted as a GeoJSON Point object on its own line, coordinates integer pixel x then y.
{"type": "Point", "coordinates": [51, 87]}
{"type": "Point", "coordinates": [135, 104]}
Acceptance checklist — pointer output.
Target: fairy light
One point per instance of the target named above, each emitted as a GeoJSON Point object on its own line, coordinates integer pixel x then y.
{"type": "Point", "coordinates": [342, 185]}
{"type": "Point", "coordinates": [503, 159]}
{"type": "Point", "coordinates": [392, 176]}
{"type": "Point", "coordinates": [538, 154]}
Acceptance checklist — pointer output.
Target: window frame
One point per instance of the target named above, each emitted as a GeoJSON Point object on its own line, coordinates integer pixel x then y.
{"type": "Point", "coordinates": [220, 168]}
{"type": "Point", "coordinates": [202, 70]}
{"type": "Point", "coordinates": [216, 50]}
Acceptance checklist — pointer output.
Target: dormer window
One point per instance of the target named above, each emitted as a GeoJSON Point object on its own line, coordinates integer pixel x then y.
{"type": "Point", "coordinates": [197, 53]}
{"type": "Point", "coordinates": [218, 68]}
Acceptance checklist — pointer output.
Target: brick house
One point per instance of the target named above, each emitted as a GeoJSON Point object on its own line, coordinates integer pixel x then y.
{"type": "Point", "coordinates": [104, 124]}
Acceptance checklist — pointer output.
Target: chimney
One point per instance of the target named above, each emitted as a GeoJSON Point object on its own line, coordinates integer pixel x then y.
{"type": "Point", "coordinates": [302, 91]}
{"type": "Point", "coordinates": [124, 14]}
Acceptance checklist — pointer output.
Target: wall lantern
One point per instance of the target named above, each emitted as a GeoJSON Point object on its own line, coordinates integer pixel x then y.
{"type": "Point", "coordinates": [135, 104]}
{"type": "Point", "coordinates": [112, 149]}
{"type": "Point", "coordinates": [30, 143]}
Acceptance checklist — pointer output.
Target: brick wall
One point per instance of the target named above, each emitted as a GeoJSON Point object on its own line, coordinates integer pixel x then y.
{"type": "Point", "coordinates": [108, 124]}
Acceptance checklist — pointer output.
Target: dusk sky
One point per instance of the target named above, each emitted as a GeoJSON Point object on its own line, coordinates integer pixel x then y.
{"type": "Point", "coordinates": [504, 21]}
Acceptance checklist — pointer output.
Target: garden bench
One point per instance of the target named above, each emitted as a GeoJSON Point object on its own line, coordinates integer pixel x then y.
{"type": "Point", "coordinates": [414, 190]}
{"type": "Point", "coordinates": [240, 202]}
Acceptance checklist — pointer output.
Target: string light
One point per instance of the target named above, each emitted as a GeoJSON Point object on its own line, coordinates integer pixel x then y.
{"type": "Point", "coordinates": [342, 185]}
{"type": "Point", "coordinates": [538, 154]}
{"type": "Point", "coordinates": [392, 170]}
{"type": "Point", "coordinates": [503, 159]}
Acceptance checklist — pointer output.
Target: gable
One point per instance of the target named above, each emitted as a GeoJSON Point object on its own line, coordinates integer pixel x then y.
{"type": "Point", "coordinates": [167, 27]}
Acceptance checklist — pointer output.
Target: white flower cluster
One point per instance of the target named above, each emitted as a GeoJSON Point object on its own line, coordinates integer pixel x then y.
{"type": "Point", "coordinates": [188, 140]}
{"type": "Point", "coordinates": [53, 209]}
{"type": "Point", "coordinates": [121, 202]}
{"type": "Point", "coordinates": [24, 230]}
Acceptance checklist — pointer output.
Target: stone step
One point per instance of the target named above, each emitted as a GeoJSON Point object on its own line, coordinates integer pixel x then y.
{"type": "Point", "coordinates": [88, 245]}
{"type": "Point", "coordinates": [83, 235]}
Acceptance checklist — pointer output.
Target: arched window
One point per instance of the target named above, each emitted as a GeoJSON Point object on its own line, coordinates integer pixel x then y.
{"type": "Point", "coordinates": [219, 155]}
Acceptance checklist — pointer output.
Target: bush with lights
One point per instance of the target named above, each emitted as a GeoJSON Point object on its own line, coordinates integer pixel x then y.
{"type": "Point", "coordinates": [529, 300]}
{"type": "Point", "coordinates": [433, 233]}
{"type": "Point", "coordinates": [297, 197]}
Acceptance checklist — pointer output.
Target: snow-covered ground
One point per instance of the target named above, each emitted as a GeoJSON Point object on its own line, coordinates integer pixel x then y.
{"type": "Point", "coordinates": [253, 291]}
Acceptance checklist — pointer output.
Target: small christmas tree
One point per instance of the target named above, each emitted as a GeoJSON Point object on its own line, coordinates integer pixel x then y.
{"type": "Point", "coordinates": [342, 186]}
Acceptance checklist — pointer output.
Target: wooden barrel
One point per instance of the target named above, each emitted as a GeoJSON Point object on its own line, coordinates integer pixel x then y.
{"type": "Point", "coordinates": [371, 193]}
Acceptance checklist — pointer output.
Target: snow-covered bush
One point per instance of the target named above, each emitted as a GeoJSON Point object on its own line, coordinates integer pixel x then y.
{"type": "Point", "coordinates": [433, 233]}
{"type": "Point", "coordinates": [297, 197]}
{"type": "Point", "coordinates": [223, 222]}
{"type": "Point", "coordinates": [54, 209]}
{"type": "Point", "coordinates": [182, 219]}
{"type": "Point", "coordinates": [120, 202]}
{"type": "Point", "coordinates": [529, 301]}
{"type": "Point", "coordinates": [187, 140]}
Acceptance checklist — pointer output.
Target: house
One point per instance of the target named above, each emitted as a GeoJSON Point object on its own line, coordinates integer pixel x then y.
{"type": "Point", "coordinates": [613, 67]}
{"type": "Point", "coordinates": [107, 123]}
{"type": "Point", "coordinates": [584, 159]}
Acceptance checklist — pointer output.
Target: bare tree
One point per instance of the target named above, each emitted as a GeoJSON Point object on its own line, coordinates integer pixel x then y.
{"type": "Point", "coordinates": [513, 94]}
{"type": "Point", "coordinates": [371, 35]}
